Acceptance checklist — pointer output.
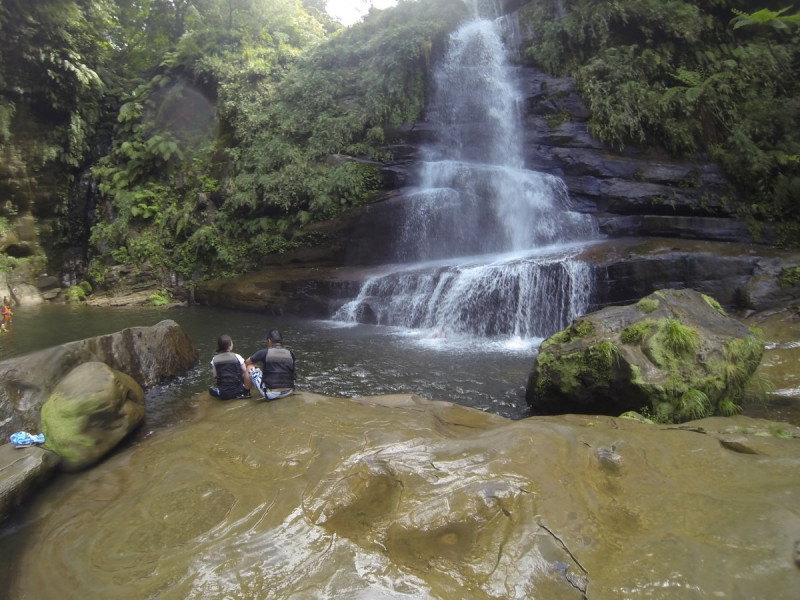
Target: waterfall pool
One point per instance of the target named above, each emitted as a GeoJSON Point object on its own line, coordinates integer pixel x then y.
{"type": "Point", "coordinates": [335, 359]}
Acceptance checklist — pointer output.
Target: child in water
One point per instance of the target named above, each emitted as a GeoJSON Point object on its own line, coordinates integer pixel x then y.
{"type": "Point", "coordinates": [5, 313]}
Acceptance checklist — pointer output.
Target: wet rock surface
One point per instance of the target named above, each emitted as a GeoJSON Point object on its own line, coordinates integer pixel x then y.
{"type": "Point", "coordinates": [147, 354]}
{"type": "Point", "coordinates": [623, 271]}
{"type": "Point", "coordinates": [401, 497]}
{"type": "Point", "coordinates": [22, 471]}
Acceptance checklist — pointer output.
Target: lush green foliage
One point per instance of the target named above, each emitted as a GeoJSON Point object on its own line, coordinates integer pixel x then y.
{"type": "Point", "coordinates": [297, 120]}
{"type": "Point", "coordinates": [221, 128]}
{"type": "Point", "coordinates": [51, 100]}
{"type": "Point", "coordinates": [714, 77]}
{"type": "Point", "coordinates": [647, 305]}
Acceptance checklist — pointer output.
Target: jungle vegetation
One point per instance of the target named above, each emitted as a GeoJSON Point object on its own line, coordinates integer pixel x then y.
{"type": "Point", "coordinates": [195, 138]}
{"type": "Point", "coordinates": [212, 130]}
{"type": "Point", "coordinates": [711, 78]}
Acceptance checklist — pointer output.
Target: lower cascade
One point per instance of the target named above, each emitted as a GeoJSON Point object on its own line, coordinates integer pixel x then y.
{"type": "Point", "coordinates": [525, 296]}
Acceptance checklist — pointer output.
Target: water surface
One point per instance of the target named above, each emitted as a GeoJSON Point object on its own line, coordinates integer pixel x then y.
{"type": "Point", "coordinates": [335, 359]}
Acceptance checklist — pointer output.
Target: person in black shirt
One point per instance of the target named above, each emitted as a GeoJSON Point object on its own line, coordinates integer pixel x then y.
{"type": "Point", "coordinates": [276, 376]}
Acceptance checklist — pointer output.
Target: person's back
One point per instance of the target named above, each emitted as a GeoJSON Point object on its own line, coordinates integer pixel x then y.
{"type": "Point", "coordinates": [228, 368]}
{"type": "Point", "coordinates": [279, 368]}
{"type": "Point", "coordinates": [277, 376]}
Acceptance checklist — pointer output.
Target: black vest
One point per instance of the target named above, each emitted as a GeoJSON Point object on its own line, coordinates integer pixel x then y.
{"type": "Point", "coordinates": [230, 378]}
{"type": "Point", "coordinates": [279, 368]}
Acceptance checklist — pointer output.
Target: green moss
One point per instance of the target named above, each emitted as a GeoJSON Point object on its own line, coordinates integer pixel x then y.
{"type": "Point", "coordinates": [715, 305]}
{"type": "Point", "coordinates": [647, 305]}
{"type": "Point", "coordinates": [679, 338]}
{"type": "Point", "coordinates": [65, 436]}
{"type": "Point", "coordinates": [160, 298]}
{"type": "Point", "coordinates": [604, 355]}
{"type": "Point", "coordinates": [780, 432]}
{"type": "Point", "coordinates": [577, 330]}
{"type": "Point", "coordinates": [561, 337]}
{"type": "Point", "coordinates": [635, 333]}
{"type": "Point", "coordinates": [86, 287]}
{"type": "Point", "coordinates": [635, 416]}
{"type": "Point", "coordinates": [563, 374]}
{"type": "Point", "coordinates": [636, 375]}
{"type": "Point", "coordinates": [581, 329]}
{"type": "Point", "coordinates": [789, 277]}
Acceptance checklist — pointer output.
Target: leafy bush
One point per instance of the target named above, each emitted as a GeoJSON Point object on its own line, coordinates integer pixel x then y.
{"type": "Point", "coordinates": [298, 115]}
{"type": "Point", "coordinates": [160, 298]}
{"type": "Point", "coordinates": [75, 293]}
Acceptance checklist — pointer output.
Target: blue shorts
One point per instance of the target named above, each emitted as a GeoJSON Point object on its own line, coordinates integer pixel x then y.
{"type": "Point", "coordinates": [256, 376]}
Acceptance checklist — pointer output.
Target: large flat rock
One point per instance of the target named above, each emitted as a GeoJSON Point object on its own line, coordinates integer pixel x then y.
{"type": "Point", "coordinates": [400, 497]}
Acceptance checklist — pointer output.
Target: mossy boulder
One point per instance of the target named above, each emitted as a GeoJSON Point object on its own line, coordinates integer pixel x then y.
{"type": "Point", "coordinates": [89, 412]}
{"type": "Point", "coordinates": [674, 356]}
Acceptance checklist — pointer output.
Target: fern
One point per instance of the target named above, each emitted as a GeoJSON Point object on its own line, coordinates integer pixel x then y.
{"type": "Point", "coordinates": [764, 17]}
{"type": "Point", "coordinates": [694, 404]}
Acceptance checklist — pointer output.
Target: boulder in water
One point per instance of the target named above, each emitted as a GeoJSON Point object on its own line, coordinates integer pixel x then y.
{"type": "Point", "coordinates": [89, 412]}
{"type": "Point", "coordinates": [147, 354]}
{"type": "Point", "coordinates": [674, 355]}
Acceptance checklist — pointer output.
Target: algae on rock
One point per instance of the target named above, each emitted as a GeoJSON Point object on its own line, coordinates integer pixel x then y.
{"type": "Point", "coordinates": [674, 356]}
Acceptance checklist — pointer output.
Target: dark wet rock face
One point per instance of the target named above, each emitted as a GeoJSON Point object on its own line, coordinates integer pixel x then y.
{"type": "Point", "coordinates": [634, 192]}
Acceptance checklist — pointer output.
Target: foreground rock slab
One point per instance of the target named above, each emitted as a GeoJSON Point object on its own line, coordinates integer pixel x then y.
{"type": "Point", "coordinates": [400, 497]}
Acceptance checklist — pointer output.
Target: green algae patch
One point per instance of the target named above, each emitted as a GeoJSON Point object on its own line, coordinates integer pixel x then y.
{"type": "Point", "coordinates": [578, 330]}
{"type": "Point", "coordinates": [672, 357]}
{"type": "Point", "coordinates": [713, 303]}
{"type": "Point", "coordinates": [89, 412]}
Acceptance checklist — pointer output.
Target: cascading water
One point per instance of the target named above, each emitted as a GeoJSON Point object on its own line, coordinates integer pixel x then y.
{"type": "Point", "coordinates": [490, 241]}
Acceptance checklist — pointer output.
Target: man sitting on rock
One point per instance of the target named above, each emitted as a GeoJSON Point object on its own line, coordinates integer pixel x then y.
{"type": "Point", "coordinates": [276, 377]}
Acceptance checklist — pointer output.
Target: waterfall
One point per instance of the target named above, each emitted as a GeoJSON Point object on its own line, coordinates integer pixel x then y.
{"type": "Point", "coordinates": [486, 245]}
